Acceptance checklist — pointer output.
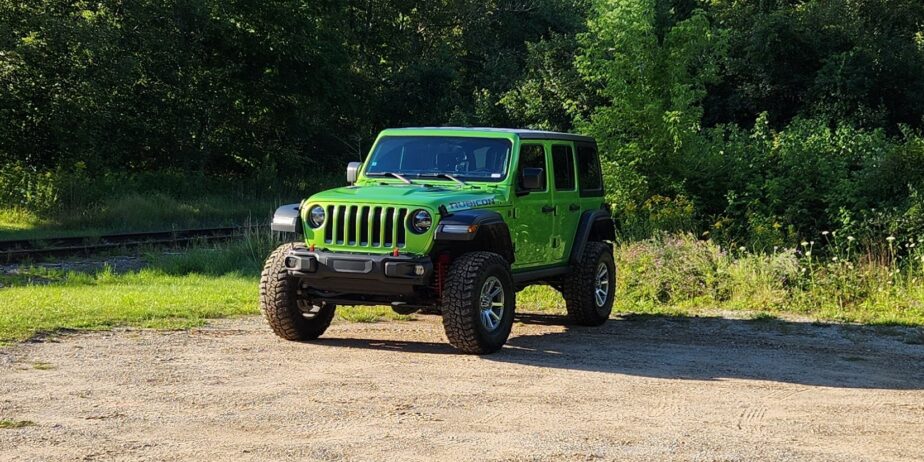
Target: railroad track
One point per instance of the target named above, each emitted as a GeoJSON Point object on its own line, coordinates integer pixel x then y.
{"type": "Point", "coordinates": [33, 249]}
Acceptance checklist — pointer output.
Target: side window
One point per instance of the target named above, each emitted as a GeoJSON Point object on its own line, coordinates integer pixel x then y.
{"type": "Point", "coordinates": [532, 156]}
{"type": "Point", "coordinates": [563, 167]}
{"type": "Point", "coordinates": [589, 174]}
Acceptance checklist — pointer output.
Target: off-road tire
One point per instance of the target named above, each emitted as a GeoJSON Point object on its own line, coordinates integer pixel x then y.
{"type": "Point", "coordinates": [279, 300]}
{"type": "Point", "coordinates": [579, 287]}
{"type": "Point", "coordinates": [461, 302]}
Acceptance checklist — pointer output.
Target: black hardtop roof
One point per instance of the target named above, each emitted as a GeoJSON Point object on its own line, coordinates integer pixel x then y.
{"type": "Point", "coordinates": [523, 133]}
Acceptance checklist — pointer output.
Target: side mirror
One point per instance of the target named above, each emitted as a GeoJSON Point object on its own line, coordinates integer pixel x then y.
{"type": "Point", "coordinates": [353, 171]}
{"type": "Point", "coordinates": [532, 179]}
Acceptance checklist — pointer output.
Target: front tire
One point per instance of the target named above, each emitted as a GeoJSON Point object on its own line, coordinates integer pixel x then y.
{"type": "Point", "coordinates": [590, 289]}
{"type": "Point", "coordinates": [291, 316]}
{"type": "Point", "coordinates": [478, 303]}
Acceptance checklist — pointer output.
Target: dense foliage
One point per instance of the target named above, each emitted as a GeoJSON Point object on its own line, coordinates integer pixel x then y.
{"type": "Point", "coordinates": [759, 123]}
{"type": "Point", "coordinates": [238, 86]}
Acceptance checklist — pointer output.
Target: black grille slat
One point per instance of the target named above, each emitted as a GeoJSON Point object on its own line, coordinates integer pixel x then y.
{"type": "Point", "coordinates": [352, 224]}
{"type": "Point", "coordinates": [363, 218]}
{"type": "Point", "coordinates": [339, 217]}
{"type": "Point", "coordinates": [376, 226]}
{"type": "Point", "coordinates": [389, 226]}
{"type": "Point", "coordinates": [328, 225]}
{"type": "Point", "coordinates": [400, 234]}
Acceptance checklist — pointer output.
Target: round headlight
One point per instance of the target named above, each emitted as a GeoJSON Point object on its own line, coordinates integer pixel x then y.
{"type": "Point", "coordinates": [316, 216]}
{"type": "Point", "coordinates": [421, 221]}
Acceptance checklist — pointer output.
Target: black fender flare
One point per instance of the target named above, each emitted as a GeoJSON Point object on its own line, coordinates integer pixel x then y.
{"type": "Point", "coordinates": [480, 218]}
{"type": "Point", "coordinates": [287, 219]}
{"type": "Point", "coordinates": [588, 220]}
{"type": "Point", "coordinates": [491, 231]}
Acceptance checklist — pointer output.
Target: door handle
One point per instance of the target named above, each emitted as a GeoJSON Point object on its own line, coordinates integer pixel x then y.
{"type": "Point", "coordinates": [574, 207]}
{"type": "Point", "coordinates": [548, 209]}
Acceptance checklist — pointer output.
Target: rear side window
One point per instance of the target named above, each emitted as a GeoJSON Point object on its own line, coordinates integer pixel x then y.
{"type": "Point", "coordinates": [532, 156]}
{"type": "Point", "coordinates": [563, 167]}
{"type": "Point", "coordinates": [589, 174]}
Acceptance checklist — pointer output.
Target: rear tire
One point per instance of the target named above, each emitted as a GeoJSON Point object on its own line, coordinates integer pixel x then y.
{"type": "Point", "coordinates": [590, 289]}
{"type": "Point", "coordinates": [290, 315]}
{"type": "Point", "coordinates": [478, 303]}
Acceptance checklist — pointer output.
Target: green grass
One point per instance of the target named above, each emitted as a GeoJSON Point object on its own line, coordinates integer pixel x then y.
{"type": "Point", "coordinates": [13, 220]}
{"type": "Point", "coordinates": [678, 276]}
{"type": "Point", "coordinates": [6, 424]}
{"type": "Point", "coordinates": [148, 298]}
{"type": "Point", "coordinates": [176, 291]}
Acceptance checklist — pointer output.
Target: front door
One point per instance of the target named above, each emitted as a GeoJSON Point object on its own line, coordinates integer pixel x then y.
{"type": "Point", "coordinates": [533, 210]}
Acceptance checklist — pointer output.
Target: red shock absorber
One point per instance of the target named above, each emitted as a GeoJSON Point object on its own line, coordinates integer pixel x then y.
{"type": "Point", "coordinates": [442, 265]}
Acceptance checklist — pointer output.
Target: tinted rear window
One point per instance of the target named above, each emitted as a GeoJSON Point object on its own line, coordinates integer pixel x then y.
{"type": "Point", "coordinates": [591, 179]}
{"type": "Point", "coordinates": [563, 167]}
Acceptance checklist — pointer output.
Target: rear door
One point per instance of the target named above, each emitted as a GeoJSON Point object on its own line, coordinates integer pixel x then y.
{"type": "Point", "coordinates": [566, 197]}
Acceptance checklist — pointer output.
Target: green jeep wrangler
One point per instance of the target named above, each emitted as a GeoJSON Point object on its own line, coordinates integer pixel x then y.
{"type": "Point", "coordinates": [450, 219]}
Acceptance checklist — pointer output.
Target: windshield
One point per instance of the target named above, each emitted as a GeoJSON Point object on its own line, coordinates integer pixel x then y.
{"type": "Point", "coordinates": [466, 158]}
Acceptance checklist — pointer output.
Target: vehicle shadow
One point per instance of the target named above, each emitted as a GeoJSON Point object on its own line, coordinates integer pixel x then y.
{"type": "Point", "coordinates": [706, 348]}
{"type": "Point", "coordinates": [438, 348]}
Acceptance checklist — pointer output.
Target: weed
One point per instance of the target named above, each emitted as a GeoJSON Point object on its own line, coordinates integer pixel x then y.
{"type": "Point", "coordinates": [370, 314]}
{"type": "Point", "coordinates": [763, 316]}
{"type": "Point", "coordinates": [13, 424]}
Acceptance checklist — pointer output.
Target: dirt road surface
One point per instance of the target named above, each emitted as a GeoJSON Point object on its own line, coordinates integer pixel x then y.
{"type": "Point", "coordinates": [640, 388]}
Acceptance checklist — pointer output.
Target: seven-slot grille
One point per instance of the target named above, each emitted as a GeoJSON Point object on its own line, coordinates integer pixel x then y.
{"type": "Point", "coordinates": [365, 226]}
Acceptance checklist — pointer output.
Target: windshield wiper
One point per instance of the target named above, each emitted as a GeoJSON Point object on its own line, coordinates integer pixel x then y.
{"type": "Point", "coordinates": [396, 175]}
{"type": "Point", "coordinates": [445, 175]}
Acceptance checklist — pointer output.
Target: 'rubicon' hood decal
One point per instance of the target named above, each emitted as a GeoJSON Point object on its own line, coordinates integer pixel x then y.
{"type": "Point", "coordinates": [470, 203]}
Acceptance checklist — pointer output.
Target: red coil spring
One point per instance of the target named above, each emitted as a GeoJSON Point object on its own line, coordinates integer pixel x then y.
{"type": "Point", "coordinates": [442, 264]}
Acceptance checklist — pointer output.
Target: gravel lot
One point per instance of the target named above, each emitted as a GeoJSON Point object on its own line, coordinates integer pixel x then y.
{"type": "Point", "coordinates": [636, 389]}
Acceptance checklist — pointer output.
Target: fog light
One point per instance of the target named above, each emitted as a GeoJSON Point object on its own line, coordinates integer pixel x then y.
{"type": "Point", "coordinates": [419, 270]}
{"type": "Point", "coordinates": [290, 262]}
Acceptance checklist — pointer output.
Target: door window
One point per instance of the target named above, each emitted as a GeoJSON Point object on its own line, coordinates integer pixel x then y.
{"type": "Point", "coordinates": [532, 156]}
{"type": "Point", "coordinates": [563, 167]}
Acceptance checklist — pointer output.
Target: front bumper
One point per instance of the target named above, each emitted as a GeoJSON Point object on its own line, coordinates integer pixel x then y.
{"type": "Point", "coordinates": [359, 273]}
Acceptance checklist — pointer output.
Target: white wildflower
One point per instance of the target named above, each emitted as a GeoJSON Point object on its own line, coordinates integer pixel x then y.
{"type": "Point", "coordinates": [850, 238]}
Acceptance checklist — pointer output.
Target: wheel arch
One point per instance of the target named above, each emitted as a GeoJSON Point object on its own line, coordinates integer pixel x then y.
{"type": "Point", "coordinates": [595, 226]}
